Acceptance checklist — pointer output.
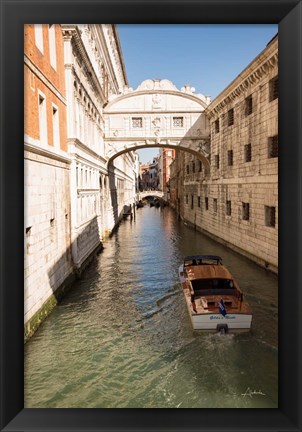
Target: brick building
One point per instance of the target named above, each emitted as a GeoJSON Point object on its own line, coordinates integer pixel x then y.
{"type": "Point", "coordinates": [73, 198]}
{"type": "Point", "coordinates": [47, 203]}
{"type": "Point", "coordinates": [237, 203]}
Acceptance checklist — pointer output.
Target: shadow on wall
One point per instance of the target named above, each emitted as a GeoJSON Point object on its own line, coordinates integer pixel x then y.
{"type": "Point", "coordinates": [113, 193]}
{"type": "Point", "coordinates": [66, 269]}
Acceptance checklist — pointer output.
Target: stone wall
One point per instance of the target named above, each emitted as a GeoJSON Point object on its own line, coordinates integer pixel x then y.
{"type": "Point", "coordinates": [237, 203]}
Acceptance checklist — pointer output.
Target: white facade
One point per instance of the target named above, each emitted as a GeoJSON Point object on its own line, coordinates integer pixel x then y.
{"type": "Point", "coordinates": [94, 72]}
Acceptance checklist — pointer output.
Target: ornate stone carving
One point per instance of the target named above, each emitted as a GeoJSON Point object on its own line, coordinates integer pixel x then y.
{"type": "Point", "coordinates": [156, 84]}
{"type": "Point", "coordinates": [156, 101]}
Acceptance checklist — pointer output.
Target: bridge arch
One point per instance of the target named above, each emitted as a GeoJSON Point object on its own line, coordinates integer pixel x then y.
{"type": "Point", "coordinates": [157, 114]}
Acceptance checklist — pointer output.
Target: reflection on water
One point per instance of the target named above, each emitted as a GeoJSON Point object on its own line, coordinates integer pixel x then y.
{"type": "Point", "coordinates": [122, 337]}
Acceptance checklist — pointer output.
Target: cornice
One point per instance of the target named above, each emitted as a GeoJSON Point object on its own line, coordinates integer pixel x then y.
{"type": "Point", "coordinates": [72, 33]}
{"type": "Point", "coordinates": [244, 82]}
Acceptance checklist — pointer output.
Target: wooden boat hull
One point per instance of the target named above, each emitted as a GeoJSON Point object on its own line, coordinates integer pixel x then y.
{"type": "Point", "coordinates": [214, 321]}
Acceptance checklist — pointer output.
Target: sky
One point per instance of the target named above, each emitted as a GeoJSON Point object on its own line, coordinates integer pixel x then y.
{"type": "Point", "coordinates": [206, 56]}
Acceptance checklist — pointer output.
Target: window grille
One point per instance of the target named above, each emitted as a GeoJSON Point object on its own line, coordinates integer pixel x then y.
{"type": "Point", "coordinates": [137, 122]}
{"type": "Point", "coordinates": [215, 205]}
{"type": "Point", "coordinates": [178, 122]}
{"type": "Point", "coordinates": [247, 153]}
{"type": "Point", "coordinates": [230, 157]}
{"type": "Point", "coordinates": [273, 146]}
{"type": "Point", "coordinates": [245, 211]}
{"type": "Point", "coordinates": [231, 117]}
{"type": "Point", "coordinates": [228, 208]}
{"type": "Point", "coordinates": [248, 105]}
{"type": "Point", "coordinates": [206, 200]}
{"type": "Point", "coordinates": [273, 89]}
{"type": "Point", "coordinates": [270, 216]}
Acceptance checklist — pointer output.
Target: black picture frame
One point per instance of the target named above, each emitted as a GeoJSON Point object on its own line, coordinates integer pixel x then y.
{"type": "Point", "coordinates": [14, 14]}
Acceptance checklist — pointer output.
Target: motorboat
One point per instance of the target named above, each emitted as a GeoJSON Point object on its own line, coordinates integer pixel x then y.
{"type": "Point", "coordinates": [214, 299]}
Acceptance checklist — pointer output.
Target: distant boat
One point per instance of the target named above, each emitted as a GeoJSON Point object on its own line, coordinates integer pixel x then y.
{"type": "Point", "coordinates": [214, 299]}
{"type": "Point", "coordinates": [139, 204]}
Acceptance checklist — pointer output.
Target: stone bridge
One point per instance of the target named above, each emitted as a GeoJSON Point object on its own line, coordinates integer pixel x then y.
{"type": "Point", "coordinates": [157, 114]}
{"type": "Point", "coordinates": [153, 193]}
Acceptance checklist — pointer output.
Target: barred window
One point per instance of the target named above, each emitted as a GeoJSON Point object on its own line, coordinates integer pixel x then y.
{"type": "Point", "coordinates": [217, 161]}
{"type": "Point", "coordinates": [217, 126]}
{"type": "Point", "coordinates": [231, 117]}
{"type": "Point", "coordinates": [215, 205]}
{"type": "Point", "coordinates": [248, 105]}
{"type": "Point", "coordinates": [230, 157]}
{"type": "Point", "coordinates": [206, 201]}
{"type": "Point", "coordinates": [198, 201]}
{"type": "Point", "coordinates": [178, 122]}
{"type": "Point", "coordinates": [245, 211]}
{"type": "Point", "coordinates": [137, 122]}
{"type": "Point", "coordinates": [273, 146]}
{"type": "Point", "coordinates": [247, 153]}
{"type": "Point", "coordinates": [273, 89]}
{"type": "Point", "coordinates": [270, 216]}
{"type": "Point", "coordinates": [228, 209]}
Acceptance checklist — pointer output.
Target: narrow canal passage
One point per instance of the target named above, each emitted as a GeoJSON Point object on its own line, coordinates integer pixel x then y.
{"type": "Point", "coordinates": [122, 337]}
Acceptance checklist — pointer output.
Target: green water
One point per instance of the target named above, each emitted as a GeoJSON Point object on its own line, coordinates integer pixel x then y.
{"type": "Point", "coordinates": [122, 337]}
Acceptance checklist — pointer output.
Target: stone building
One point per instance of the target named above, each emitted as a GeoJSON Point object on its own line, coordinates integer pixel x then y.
{"type": "Point", "coordinates": [73, 196]}
{"type": "Point", "coordinates": [46, 164]}
{"type": "Point", "coordinates": [166, 157]}
{"type": "Point", "coordinates": [237, 202]}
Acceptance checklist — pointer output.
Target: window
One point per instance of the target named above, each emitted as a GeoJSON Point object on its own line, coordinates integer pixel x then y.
{"type": "Point", "coordinates": [42, 119]}
{"type": "Point", "coordinates": [192, 201]}
{"type": "Point", "coordinates": [188, 169]}
{"type": "Point", "coordinates": [193, 167]}
{"type": "Point", "coordinates": [248, 105]}
{"type": "Point", "coordinates": [178, 122]}
{"type": "Point", "coordinates": [217, 126]}
{"type": "Point", "coordinates": [228, 209]}
{"type": "Point", "coordinates": [245, 211]}
{"type": "Point", "coordinates": [215, 205]}
{"type": "Point", "coordinates": [270, 216]}
{"type": "Point", "coordinates": [273, 89]}
{"type": "Point", "coordinates": [52, 230]}
{"type": "Point", "coordinates": [231, 117]}
{"type": "Point", "coordinates": [273, 146]}
{"type": "Point", "coordinates": [200, 166]}
{"type": "Point", "coordinates": [206, 201]}
{"type": "Point", "coordinates": [187, 199]}
{"type": "Point", "coordinates": [198, 201]}
{"type": "Point", "coordinates": [55, 127]}
{"type": "Point", "coordinates": [217, 161]}
{"type": "Point", "coordinates": [247, 153]}
{"type": "Point", "coordinates": [137, 122]}
{"type": "Point", "coordinates": [52, 45]}
{"type": "Point", "coordinates": [39, 37]}
{"type": "Point", "coordinates": [230, 157]}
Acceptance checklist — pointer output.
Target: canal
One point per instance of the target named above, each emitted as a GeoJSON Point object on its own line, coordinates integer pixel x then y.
{"type": "Point", "coordinates": [122, 337]}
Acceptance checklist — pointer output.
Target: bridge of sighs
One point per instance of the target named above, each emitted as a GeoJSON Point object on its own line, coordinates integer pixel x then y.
{"type": "Point", "coordinates": [157, 114]}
